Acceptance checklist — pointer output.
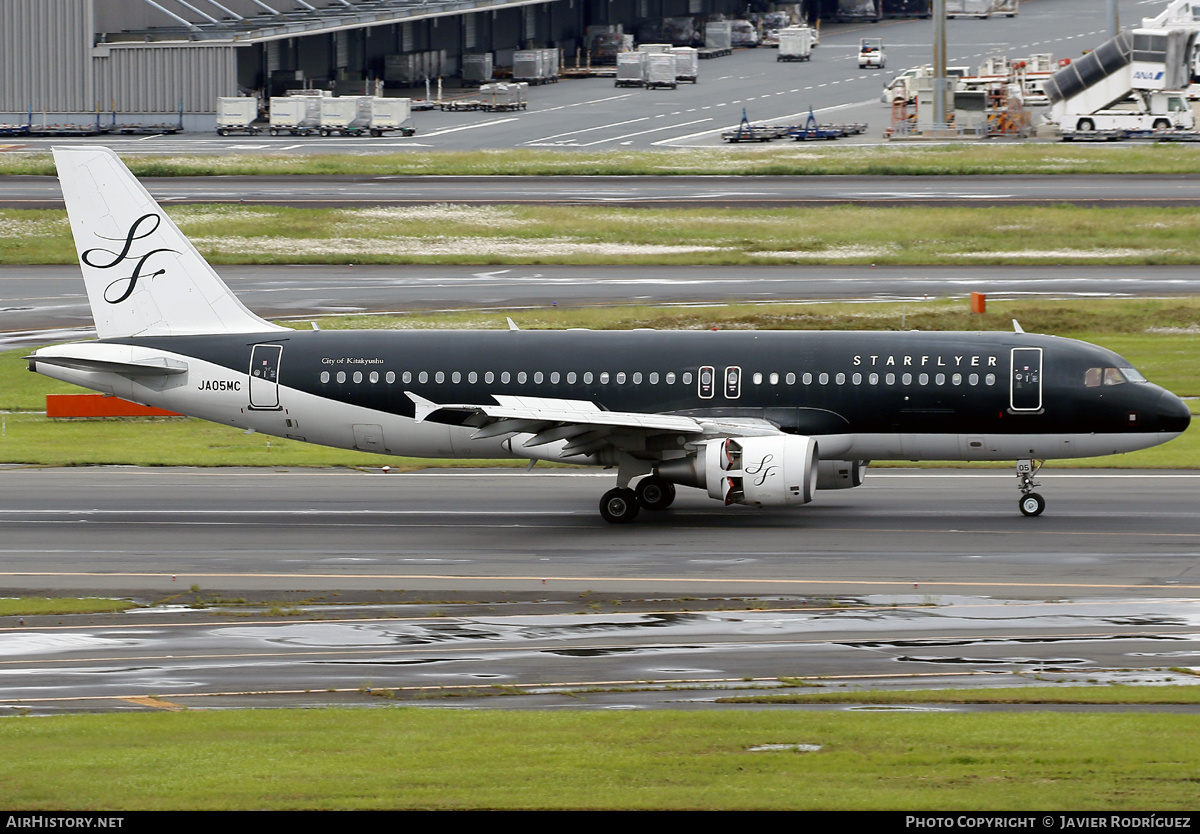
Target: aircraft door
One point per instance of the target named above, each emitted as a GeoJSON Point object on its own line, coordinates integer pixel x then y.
{"type": "Point", "coordinates": [1026, 381]}
{"type": "Point", "coordinates": [264, 377]}
{"type": "Point", "coordinates": [733, 382]}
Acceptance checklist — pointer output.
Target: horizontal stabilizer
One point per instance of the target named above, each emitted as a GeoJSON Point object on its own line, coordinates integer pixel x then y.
{"type": "Point", "coordinates": [113, 359]}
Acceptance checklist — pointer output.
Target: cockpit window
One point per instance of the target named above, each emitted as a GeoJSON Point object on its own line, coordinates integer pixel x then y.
{"type": "Point", "coordinates": [1095, 377]}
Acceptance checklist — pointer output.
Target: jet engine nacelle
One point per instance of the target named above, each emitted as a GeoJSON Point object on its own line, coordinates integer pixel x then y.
{"type": "Point", "coordinates": [772, 471]}
{"type": "Point", "coordinates": [841, 474]}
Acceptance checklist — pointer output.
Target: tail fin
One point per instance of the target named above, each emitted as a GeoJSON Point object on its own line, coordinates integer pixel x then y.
{"type": "Point", "coordinates": [143, 277]}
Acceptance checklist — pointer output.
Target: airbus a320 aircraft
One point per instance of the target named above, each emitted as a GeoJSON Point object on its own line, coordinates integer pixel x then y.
{"type": "Point", "coordinates": [758, 418]}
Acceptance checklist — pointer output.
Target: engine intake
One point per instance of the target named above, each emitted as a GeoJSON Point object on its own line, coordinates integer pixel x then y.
{"type": "Point", "coordinates": [772, 471]}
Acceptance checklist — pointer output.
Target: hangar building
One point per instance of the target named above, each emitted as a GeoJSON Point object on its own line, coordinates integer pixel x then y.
{"type": "Point", "coordinates": [167, 61]}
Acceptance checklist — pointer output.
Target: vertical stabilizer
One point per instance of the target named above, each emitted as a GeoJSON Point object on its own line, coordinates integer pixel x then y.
{"type": "Point", "coordinates": [143, 277]}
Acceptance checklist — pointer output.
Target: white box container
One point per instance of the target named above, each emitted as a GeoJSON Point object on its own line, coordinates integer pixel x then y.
{"type": "Point", "coordinates": [795, 44]}
{"type": "Point", "coordinates": [687, 63]}
{"type": "Point", "coordinates": [660, 70]}
{"type": "Point", "coordinates": [391, 114]}
{"type": "Point", "coordinates": [631, 69]}
{"type": "Point", "coordinates": [236, 111]}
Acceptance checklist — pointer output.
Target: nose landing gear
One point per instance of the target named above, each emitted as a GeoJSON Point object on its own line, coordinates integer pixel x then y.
{"type": "Point", "coordinates": [1031, 503]}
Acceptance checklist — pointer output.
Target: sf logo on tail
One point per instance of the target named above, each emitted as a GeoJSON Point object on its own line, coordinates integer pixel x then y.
{"type": "Point", "coordinates": [129, 282]}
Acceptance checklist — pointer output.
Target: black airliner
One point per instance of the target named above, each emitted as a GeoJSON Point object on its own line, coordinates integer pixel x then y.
{"type": "Point", "coordinates": [759, 418]}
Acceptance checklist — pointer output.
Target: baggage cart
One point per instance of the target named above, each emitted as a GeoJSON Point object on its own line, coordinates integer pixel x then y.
{"type": "Point", "coordinates": [500, 96]}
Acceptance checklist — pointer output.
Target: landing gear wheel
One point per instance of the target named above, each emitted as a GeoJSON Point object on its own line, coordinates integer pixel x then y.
{"type": "Point", "coordinates": [655, 493]}
{"type": "Point", "coordinates": [619, 506]}
{"type": "Point", "coordinates": [1032, 504]}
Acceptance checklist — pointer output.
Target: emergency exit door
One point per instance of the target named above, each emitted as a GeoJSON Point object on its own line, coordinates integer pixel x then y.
{"type": "Point", "coordinates": [264, 377]}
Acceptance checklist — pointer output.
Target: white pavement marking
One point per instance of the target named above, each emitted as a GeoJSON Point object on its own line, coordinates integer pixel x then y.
{"type": "Point", "coordinates": [585, 130]}
{"type": "Point", "coordinates": [643, 132]}
{"type": "Point", "coordinates": [467, 127]}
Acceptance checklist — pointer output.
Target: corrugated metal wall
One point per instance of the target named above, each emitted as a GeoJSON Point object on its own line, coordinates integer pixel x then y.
{"type": "Point", "coordinates": [45, 55]}
{"type": "Point", "coordinates": [163, 77]}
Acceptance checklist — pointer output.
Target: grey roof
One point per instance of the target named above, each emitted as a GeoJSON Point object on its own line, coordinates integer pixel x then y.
{"type": "Point", "coordinates": [250, 21]}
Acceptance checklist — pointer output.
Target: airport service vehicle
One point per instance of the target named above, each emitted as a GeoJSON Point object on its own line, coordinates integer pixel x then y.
{"type": "Point", "coordinates": [761, 418]}
{"type": "Point", "coordinates": [1134, 81]}
{"type": "Point", "coordinates": [871, 54]}
{"type": "Point", "coordinates": [1143, 110]}
{"type": "Point", "coordinates": [902, 87]}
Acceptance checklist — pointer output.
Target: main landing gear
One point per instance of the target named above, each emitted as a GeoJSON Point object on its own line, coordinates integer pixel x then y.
{"type": "Point", "coordinates": [1031, 503]}
{"type": "Point", "coordinates": [622, 504]}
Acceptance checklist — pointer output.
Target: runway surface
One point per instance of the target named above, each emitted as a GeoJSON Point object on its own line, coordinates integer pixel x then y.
{"type": "Point", "coordinates": [132, 530]}
{"type": "Point", "coordinates": [437, 582]}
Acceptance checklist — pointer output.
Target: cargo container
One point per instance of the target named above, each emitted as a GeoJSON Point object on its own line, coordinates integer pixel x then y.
{"type": "Point", "coordinates": [687, 63]}
{"type": "Point", "coordinates": [477, 68]}
{"type": "Point", "coordinates": [346, 115]}
{"type": "Point", "coordinates": [660, 70]}
{"type": "Point", "coordinates": [391, 114]}
{"type": "Point", "coordinates": [237, 114]}
{"type": "Point", "coordinates": [795, 44]}
{"type": "Point", "coordinates": [296, 114]}
{"type": "Point", "coordinates": [631, 70]}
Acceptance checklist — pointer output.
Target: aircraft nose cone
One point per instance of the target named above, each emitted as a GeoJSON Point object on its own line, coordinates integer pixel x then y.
{"type": "Point", "coordinates": [1173, 413]}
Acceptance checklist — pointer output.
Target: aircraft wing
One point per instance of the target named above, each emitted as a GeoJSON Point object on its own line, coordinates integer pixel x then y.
{"type": "Point", "coordinates": [584, 425]}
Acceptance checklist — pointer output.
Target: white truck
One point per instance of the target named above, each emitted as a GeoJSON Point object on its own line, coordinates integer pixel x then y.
{"type": "Point", "coordinates": [1143, 110]}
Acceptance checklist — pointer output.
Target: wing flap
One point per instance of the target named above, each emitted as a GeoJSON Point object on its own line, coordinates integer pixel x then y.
{"type": "Point", "coordinates": [512, 414]}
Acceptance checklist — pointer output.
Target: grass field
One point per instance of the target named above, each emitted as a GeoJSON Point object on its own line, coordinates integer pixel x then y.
{"type": "Point", "coordinates": [405, 758]}
{"type": "Point", "coordinates": [231, 234]}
